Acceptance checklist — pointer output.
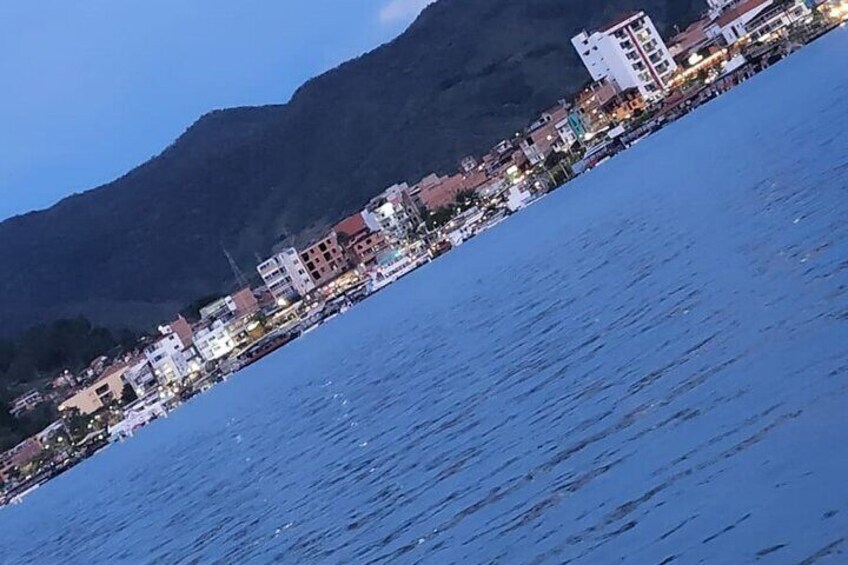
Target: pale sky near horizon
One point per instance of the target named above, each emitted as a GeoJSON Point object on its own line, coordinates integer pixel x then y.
{"type": "Point", "coordinates": [90, 89]}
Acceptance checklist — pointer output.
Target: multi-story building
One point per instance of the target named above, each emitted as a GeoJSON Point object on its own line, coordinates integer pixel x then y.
{"type": "Point", "coordinates": [285, 276]}
{"type": "Point", "coordinates": [140, 376]}
{"type": "Point", "coordinates": [756, 19]}
{"type": "Point", "coordinates": [182, 328]}
{"type": "Point", "coordinates": [167, 356]}
{"type": "Point", "coordinates": [100, 393]}
{"type": "Point", "coordinates": [240, 303]}
{"type": "Point", "coordinates": [396, 211]}
{"type": "Point", "coordinates": [361, 238]}
{"type": "Point", "coordinates": [542, 136]}
{"type": "Point", "coordinates": [245, 302]}
{"type": "Point", "coordinates": [567, 135]}
{"type": "Point", "coordinates": [629, 52]}
{"type": "Point", "coordinates": [325, 260]}
{"type": "Point", "coordinates": [214, 341]}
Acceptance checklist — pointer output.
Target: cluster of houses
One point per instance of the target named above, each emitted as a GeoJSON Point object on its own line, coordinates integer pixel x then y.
{"type": "Point", "coordinates": [638, 80]}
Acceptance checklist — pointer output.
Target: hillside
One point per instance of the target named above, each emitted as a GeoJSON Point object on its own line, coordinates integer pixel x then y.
{"type": "Point", "coordinates": [466, 73]}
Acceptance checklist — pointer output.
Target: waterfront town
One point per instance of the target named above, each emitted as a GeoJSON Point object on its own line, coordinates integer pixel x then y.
{"type": "Point", "coordinates": [640, 83]}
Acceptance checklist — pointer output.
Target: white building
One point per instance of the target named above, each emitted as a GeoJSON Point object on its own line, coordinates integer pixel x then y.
{"type": "Point", "coordinates": [285, 276]}
{"type": "Point", "coordinates": [141, 377]}
{"type": "Point", "coordinates": [167, 358]}
{"type": "Point", "coordinates": [221, 308]}
{"type": "Point", "coordinates": [629, 52]}
{"type": "Point", "coordinates": [756, 19]}
{"type": "Point", "coordinates": [566, 133]}
{"type": "Point", "coordinates": [393, 211]}
{"type": "Point", "coordinates": [214, 341]}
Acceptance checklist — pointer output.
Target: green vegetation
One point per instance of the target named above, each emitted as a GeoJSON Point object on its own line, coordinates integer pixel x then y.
{"type": "Point", "coordinates": [466, 74]}
{"type": "Point", "coordinates": [439, 217]}
{"type": "Point", "coordinates": [40, 354]}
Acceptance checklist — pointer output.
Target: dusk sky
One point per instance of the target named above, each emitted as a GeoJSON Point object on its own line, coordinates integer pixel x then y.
{"type": "Point", "coordinates": [92, 89]}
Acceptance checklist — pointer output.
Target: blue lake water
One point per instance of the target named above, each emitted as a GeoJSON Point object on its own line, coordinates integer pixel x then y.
{"type": "Point", "coordinates": [650, 365]}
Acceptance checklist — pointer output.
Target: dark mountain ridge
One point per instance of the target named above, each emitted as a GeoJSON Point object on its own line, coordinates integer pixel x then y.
{"type": "Point", "coordinates": [465, 74]}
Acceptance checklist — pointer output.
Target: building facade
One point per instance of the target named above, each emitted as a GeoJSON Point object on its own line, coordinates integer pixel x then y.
{"type": "Point", "coordinates": [396, 211]}
{"type": "Point", "coordinates": [101, 393]}
{"type": "Point", "coordinates": [214, 341]}
{"type": "Point", "coordinates": [629, 52]}
{"type": "Point", "coordinates": [325, 260]}
{"type": "Point", "coordinates": [758, 19]}
{"type": "Point", "coordinates": [167, 357]}
{"type": "Point", "coordinates": [285, 276]}
{"type": "Point", "coordinates": [361, 238]}
{"type": "Point", "coordinates": [542, 138]}
{"type": "Point", "coordinates": [140, 376]}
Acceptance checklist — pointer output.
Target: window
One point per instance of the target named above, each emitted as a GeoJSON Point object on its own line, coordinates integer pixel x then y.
{"type": "Point", "coordinates": [322, 246]}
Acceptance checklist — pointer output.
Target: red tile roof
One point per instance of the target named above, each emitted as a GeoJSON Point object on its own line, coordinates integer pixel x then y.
{"type": "Point", "coordinates": [740, 10]}
{"type": "Point", "coordinates": [351, 225]}
{"type": "Point", "coordinates": [619, 21]}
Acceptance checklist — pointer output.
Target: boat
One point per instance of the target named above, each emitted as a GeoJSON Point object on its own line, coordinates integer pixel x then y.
{"type": "Point", "coordinates": [265, 347]}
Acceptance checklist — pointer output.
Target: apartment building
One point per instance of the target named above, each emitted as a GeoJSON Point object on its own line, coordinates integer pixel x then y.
{"type": "Point", "coordinates": [630, 52]}
{"type": "Point", "coordinates": [286, 276]}
{"type": "Point", "coordinates": [361, 238]}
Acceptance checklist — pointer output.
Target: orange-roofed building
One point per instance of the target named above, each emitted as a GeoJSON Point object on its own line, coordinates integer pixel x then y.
{"type": "Point", "coordinates": [733, 22]}
{"type": "Point", "coordinates": [182, 328]}
{"type": "Point", "coordinates": [540, 140]}
{"type": "Point", "coordinates": [361, 242]}
{"type": "Point", "coordinates": [324, 260]}
{"type": "Point", "coordinates": [245, 302]}
{"type": "Point", "coordinates": [690, 41]}
{"type": "Point", "coordinates": [440, 192]}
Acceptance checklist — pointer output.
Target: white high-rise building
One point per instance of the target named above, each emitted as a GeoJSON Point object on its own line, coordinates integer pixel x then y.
{"type": "Point", "coordinates": [286, 276]}
{"type": "Point", "coordinates": [629, 52]}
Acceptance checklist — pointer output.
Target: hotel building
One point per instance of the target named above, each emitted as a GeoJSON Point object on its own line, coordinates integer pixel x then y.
{"type": "Point", "coordinates": [629, 52]}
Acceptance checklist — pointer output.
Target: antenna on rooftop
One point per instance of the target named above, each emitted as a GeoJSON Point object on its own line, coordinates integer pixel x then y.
{"type": "Point", "coordinates": [240, 279]}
